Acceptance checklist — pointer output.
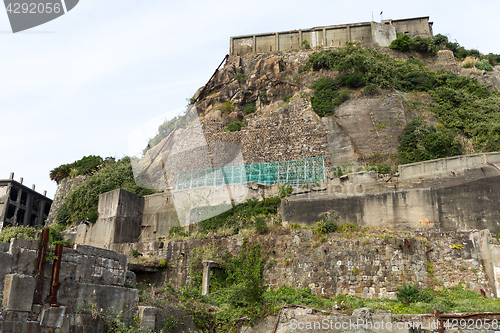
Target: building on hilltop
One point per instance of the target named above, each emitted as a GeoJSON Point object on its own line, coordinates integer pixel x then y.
{"type": "Point", "coordinates": [381, 34]}
{"type": "Point", "coordinates": [21, 205]}
{"type": "Point", "coordinates": [417, 26]}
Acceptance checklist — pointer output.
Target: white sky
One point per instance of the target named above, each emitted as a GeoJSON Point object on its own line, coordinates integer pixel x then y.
{"type": "Point", "coordinates": [81, 84]}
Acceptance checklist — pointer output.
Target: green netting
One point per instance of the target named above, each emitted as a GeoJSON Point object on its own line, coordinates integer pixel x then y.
{"type": "Point", "coordinates": [288, 172]}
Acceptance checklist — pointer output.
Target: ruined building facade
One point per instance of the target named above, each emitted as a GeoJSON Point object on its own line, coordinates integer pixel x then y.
{"type": "Point", "coordinates": [21, 205]}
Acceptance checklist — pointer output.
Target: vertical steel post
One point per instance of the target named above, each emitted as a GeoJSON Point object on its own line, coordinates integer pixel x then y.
{"type": "Point", "coordinates": [42, 249]}
{"type": "Point", "coordinates": [55, 284]}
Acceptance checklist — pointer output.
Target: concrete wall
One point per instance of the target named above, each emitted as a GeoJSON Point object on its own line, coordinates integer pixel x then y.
{"type": "Point", "coordinates": [120, 216]}
{"type": "Point", "coordinates": [337, 35]}
{"type": "Point", "coordinates": [89, 278]}
{"type": "Point", "coordinates": [418, 26]}
{"type": "Point", "coordinates": [461, 204]}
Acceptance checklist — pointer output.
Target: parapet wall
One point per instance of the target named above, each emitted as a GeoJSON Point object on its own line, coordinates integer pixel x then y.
{"type": "Point", "coordinates": [449, 164]}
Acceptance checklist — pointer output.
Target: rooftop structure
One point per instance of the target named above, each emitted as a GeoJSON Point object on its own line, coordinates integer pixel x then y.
{"type": "Point", "coordinates": [382, 34]}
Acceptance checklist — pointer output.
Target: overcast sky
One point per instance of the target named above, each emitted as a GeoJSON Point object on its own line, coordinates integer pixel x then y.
{"type": "Point", "coordinates": [81, 84]}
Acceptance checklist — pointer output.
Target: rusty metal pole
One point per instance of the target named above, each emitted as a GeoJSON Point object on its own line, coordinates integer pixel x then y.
{"type": "Point", "coordinates": [40, 264]}
{"type": "Point", "coordinates": [55, 284]}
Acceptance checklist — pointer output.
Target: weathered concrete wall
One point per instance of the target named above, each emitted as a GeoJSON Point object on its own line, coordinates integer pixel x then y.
{"type": "Point", "coordinates": [120, 215]}
{"type": "Point", "coordinates": [418, 26]}
{"type": "Point", "coordinates": [463, 202]}
{"type": "Point", "coordinates": [336, 35]}
{"type": "Point", "coordinates": [89, 277]}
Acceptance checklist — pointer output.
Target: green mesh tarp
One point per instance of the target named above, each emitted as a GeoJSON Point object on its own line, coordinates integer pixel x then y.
{"type": "Point", "coordinates": [288, 172]}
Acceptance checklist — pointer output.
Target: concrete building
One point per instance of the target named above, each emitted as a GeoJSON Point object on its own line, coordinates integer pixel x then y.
{"type": "Point", "coordinates": [417, 26]}
{"type": "Point", "coordinates": [21, 205]}
{"type": "Point", "coordinates": [381, 34]}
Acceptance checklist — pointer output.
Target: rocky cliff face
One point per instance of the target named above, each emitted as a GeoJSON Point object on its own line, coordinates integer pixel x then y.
{"type": "Point", "coordinates": [64, 189]}
{"type": "Point", "coordinates": [284, 126]}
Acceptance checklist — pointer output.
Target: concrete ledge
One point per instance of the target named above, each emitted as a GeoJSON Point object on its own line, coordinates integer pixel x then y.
{"type": "Point", "coordinates": [444, 165]}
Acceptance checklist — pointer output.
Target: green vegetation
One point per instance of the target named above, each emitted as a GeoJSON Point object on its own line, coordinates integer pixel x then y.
{"type": "Point", "coordinates": [239, 216]}
{"type": "Point", "coordinates": [55, 236]}
{"type": "Point", "coordinates": [250, 108]}
{"type": "Point", "coordinates": [17, 232]}
{"type": "Point", "coordinates": [228, 107]}
{"type": "Point", "coordinates": [464, 107]}
{"type": "Point", "coordinates": [421, 142]}
{"type": "Point", "coordinates": [234, 126]}
{"type": "Point", "coordinates": [381, 168]}
{"type": "Point", "coordinates": [287, 98]}
{"type": "Point", "coordinates": [241, 78]}
{"type": "Point", "coordinates": [285, 190]}
{"type": "Point", "coordinates": [305, 44]}
{"type": "Point", "coordinates": [84, 166]}
{"type": "Point", "coordinates": [82, 203]}
{"type": "Point", "coordinates": [165, 129]}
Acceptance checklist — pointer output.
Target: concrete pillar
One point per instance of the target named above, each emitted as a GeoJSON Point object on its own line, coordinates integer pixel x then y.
{"type": "Point", "coordinates": [33, 187]}
{"type": "Point", "coordinates": [325, 43]}
{"type": "Point", "coordinates": [29, 208]}
{"type": "Point", "coordinates": [205, 283]}
{"type": "Point", "coordinates": [254, 43]}
{"type": "Point", "coordinates": [277, 41]}
{"type": "Point", "coordinates": [11, 176]}
{"type": "Point", "coordinates": [348, 33]}
{"type": "Point", "coordinates": [41, 212]}
{"type": "Point", "coordinates": [300, 39]}
{"type": "Point", "coordinates": [21, 180]}
{"type": "Point", "coordinates": [231, 48]}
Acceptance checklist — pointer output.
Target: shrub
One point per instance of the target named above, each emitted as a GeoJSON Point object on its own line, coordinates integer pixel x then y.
{"type": "Point", "coordinates": [325, 97]}
{"type": "Point", "coordinates": [250, 108]}
{"type": "Point", "coordinates": [348, 227]}
{"type": "Point", "coordinates": [344, 95]}
{"type": "Point", "coordinates": [261, 225]}
{"type": "Point", "coordinates": [228, 107]}
{"type": "Point", "coordinates": [305, 44]}
{"type": "Point", "coordinates": [135, 253]}
{"type": "Point", "coordinates": [379, 168]}
{"type": "Point", "coordinates": [370, 90]}
{"type": "Point", "coordinates": [285, 190]}
{"type": "Point", "coordinates": [287, 98]}
{"type": "Point", "coordinates": [176, 231]}
{"type": "Point", "coordinates": [84, 166]}
{"type": "Point", "coordinates": [234, 126]}
{"type": "Point", "coordinates": [420, 142]}
{"type": "Point", "coordinates": [326, 226]}
{"type": "Point", "coordinates": [63, 215]}
{"type": "Point", "coordinates": [413, 294]}
{"type": "Point", "coordinates": [402, 43]}
{"type": "Point", "coordinates": [352, 80]}
{"type": "Point", "coordinates": [241, 78]}
{"type": "Point", "coordinates": [17, 232]}
{"type": "Point", "coordinates": [484, 65]}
